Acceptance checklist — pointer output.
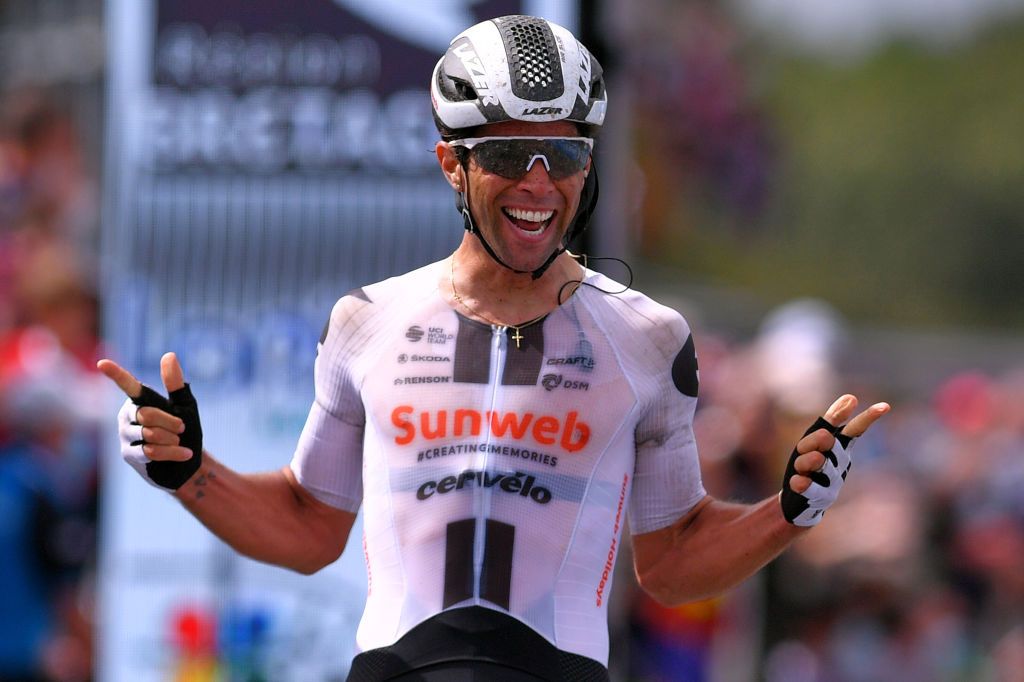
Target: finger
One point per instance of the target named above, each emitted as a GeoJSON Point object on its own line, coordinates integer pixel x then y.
{"type": "Point", "coordinates": [120, 376]}
{"type": "Point", "coordinates": [799, 483]}
{"type": "Point", "coordinates": [166, 453]}
{"type": "Point", "coordinates": [170, 372]}
{"type": "Point", "coordinates": [159, 436]}
{"type": "Point", "coordinates": [804, 464]}
{"type": "Point", "coordinates": [863, 421]}
{"type": "Point", "coordinates": [841, 409]}
{"type": "Point", "coordinates": [817, 441]}
{"type": "Point", "coordinates": [156, 418]}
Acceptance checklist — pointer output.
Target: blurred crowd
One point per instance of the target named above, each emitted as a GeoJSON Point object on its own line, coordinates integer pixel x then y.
{"type": "Point", "coordinates": [917, 573]}
{"type": "Point", "coordinates": [49, 441]}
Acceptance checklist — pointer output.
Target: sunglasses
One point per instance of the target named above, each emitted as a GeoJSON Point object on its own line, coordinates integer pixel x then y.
{"type": "Point", "coordinates": [513, 157]}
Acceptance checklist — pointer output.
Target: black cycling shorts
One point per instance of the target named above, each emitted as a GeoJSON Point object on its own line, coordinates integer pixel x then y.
{"type": "Point", "coordinates": [473, 644]}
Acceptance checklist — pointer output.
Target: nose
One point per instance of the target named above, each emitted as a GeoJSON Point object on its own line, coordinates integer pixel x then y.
{"type": "Point", "coordinates": [536, 179]}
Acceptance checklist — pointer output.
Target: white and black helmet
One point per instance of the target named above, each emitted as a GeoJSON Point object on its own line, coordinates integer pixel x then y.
{"type": "Point", "coordinates": [517, 68]}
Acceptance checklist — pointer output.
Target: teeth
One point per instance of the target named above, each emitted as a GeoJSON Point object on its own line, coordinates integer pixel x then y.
{"type": "Point", "coordinates": [529, 216]}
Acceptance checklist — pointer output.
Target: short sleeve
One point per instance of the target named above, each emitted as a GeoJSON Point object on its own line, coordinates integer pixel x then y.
{"type": "Point", "coordinates": [667, 480]}
{"type": "Point", "coordinates": [328, 459]}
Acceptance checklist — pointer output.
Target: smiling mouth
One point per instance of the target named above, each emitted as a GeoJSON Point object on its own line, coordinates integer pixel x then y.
{"type": "Point", "coordinates": [530, 222]}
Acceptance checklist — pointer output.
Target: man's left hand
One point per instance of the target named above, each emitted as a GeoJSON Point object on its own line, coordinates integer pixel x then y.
{"type": "Point", "coordinates": [819, 464]}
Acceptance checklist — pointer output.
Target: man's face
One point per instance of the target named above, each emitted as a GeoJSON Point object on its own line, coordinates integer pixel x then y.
{"type": "Point", "coordinates": [525, 219]}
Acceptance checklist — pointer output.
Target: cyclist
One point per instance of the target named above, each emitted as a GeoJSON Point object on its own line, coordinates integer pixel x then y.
{"type": "Point", "coordinates": [497, 413]}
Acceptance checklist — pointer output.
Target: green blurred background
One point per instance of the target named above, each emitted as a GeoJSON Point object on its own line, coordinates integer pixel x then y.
{"type": "Point", "coordinates": [887, 178]}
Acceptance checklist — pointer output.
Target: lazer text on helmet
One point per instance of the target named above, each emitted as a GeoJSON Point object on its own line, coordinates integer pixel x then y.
{"type": "Point", "coordinates": [476, 70]}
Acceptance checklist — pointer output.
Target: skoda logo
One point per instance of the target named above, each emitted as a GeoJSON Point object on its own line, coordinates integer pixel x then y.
{"type": "Point", "coordinates": [415, 333]}
{"type": "Point", "coordinates": [403, 358]}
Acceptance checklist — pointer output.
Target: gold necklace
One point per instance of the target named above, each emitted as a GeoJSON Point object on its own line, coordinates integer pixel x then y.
{"type": "Point", "coordinates": [516, 336]}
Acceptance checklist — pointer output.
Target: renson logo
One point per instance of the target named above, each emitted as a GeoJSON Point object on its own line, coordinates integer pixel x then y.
{"type": "Point", "coordinates": [569, 431]}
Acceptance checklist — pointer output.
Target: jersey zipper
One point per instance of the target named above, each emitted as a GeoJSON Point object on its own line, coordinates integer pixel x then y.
{"type": "Point", "coordinates": [482, 495]}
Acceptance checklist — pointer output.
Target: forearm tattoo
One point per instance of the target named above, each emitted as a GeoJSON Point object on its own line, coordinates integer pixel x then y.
{"type": "Point", "coordinates": [202, 481]}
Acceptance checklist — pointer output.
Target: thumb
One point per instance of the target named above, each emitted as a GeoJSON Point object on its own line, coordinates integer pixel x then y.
{"type": "Point", "coordinates": [170, 372]}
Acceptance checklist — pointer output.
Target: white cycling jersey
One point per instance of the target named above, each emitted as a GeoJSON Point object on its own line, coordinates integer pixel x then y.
{"type": "Point", "coordinates": [495, 468]}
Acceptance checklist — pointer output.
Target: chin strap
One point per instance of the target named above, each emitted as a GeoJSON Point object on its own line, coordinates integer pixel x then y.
{"type": "Point", "coordinates": [588, 202]}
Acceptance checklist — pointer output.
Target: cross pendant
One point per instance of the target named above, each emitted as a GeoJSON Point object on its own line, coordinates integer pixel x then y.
{"type": "Point", "coordinates": [517, 337]}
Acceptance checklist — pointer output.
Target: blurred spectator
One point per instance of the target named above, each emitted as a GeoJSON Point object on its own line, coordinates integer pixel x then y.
{"type": "Point", "coordinates": [48, 493]}
{"type": "Point", "coordinates": [48, 388]}
{"type": "Point", "coordinates": [54, 293]}
{"type": "Point", "coordinates": [920, 578]}
{"type": "Point", "coordinates": [28, 613]}
{"type": "Point", "coordinates": [53, 174]}
{"type": "Point", "coordinates": [701, 137]}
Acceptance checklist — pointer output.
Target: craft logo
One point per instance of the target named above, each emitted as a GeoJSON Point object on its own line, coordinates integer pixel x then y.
{"type": "Point", "coordinates": [570, 432]}
{"type": "Point", "coordinates": [584, 361]}
{"type": "Point", "coordinates": [414, 333]}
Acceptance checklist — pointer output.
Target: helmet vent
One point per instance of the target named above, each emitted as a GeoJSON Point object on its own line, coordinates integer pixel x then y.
{"type": "Point", "coordinates": [465, 91]}
{"type": "Point", "coordinates": [532, 58]}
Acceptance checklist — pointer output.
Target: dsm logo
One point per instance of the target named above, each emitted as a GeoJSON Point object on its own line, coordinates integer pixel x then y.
{"type": "Point", "coordinates": [552, 381]}
{"type": "Point", "coordinates": [414, 333]}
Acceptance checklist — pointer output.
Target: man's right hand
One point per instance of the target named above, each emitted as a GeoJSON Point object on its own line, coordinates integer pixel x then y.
{"type": "Point", "coordinates": [161, 438]}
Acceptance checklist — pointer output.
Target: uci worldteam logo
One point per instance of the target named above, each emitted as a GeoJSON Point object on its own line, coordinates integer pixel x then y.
{"type": "Point", "coordinates": [414, 333]}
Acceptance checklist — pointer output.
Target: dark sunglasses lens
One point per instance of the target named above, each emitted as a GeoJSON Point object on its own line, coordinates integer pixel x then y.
{"type": "Point", "coordinates": [510, 158]}
{"type": "Point", "coordinates": [501, 157]}
{"type": "Point", "coordinates": [566, 156]}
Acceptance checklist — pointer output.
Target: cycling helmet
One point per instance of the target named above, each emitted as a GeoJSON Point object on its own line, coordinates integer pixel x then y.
{"type": "Point", "coordinates": [517, 68]}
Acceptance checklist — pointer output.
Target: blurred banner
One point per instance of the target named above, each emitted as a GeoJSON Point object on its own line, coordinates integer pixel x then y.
{"type": "Point", "coordinates": [262, 159]}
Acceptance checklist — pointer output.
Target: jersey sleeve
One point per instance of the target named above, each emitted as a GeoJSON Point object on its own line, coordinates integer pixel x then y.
{"type": "Point", "coordinates": [328, 459]}
{"type": "Point", "coordinates": [667, 480]}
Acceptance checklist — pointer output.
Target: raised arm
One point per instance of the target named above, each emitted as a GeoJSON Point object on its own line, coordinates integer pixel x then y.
{"type": "Point", "coordinates": [267, 516]}
{"type": "Point", "coordinates": [718, 544]}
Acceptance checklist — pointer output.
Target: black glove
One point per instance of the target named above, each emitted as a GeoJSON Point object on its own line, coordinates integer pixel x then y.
{"type": "Point", "coordinates": [808, 508]}
{"type": "Point", "coordinates": [165, 474]}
